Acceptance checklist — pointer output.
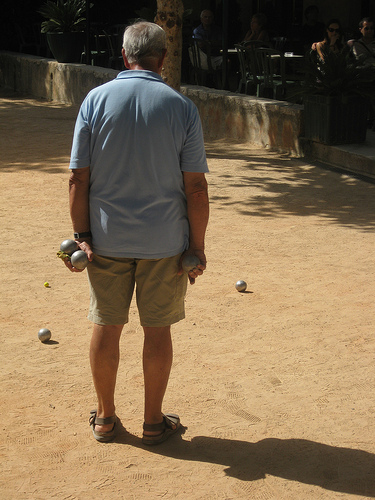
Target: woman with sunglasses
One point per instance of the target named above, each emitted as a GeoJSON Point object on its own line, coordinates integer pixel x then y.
{"type": "Point", "coordinates": [333, 40]}
{"type": "Point", "coordinates": [364, 48]}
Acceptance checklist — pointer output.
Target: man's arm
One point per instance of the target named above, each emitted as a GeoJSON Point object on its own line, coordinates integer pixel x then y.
{"type": "Point", "coordinates": [79, 185]}
{"type": "Point", "coordinates": [198, 212]}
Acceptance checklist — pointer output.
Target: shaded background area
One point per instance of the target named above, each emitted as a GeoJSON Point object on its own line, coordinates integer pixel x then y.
{"type": "Point", "coordinates": [285, 17]}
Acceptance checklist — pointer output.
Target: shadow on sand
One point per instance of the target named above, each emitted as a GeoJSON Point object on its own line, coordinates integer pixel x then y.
{"type": "Point", "coordinates": [288, 186]}
{"type": "Point", "coordinates": [333, 468]}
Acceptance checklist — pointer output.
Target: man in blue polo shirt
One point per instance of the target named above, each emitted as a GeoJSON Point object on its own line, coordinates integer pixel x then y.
{"type": "Point", "coordinates": [207, 30]}
{"type": "Point", "coordinates": [209, 34]}
{"type": "Point", "coordinates": [138, 203]}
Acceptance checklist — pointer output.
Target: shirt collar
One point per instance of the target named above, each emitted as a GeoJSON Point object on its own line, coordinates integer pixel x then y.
{"type": "Point", "coordinates": [137, 73]}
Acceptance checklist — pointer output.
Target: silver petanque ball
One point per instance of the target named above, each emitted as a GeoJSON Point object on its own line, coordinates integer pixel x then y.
{"type": "Point", "coordinates": [241, 285]}
{"type": "Point", "coordinates": [79, 259]}
{"type": "Point", "coordinates": [44, 334]}
{"type": "Point", "coordinates": [189, 262]}
{"type": "Point", "coordinates": [69, 246]}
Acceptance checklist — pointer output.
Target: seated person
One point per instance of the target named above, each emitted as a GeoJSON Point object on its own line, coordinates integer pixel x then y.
{"type": "Point", "coordinates": [207, 31]}
{"type": "Point", "coordinates": [333, 40]}
{"type": "Point", "coordinates": [364, 48]}
{"type": "Point", "coordinates": [313, 29]}
{"type": "Point", "coordinates": [257, 29]}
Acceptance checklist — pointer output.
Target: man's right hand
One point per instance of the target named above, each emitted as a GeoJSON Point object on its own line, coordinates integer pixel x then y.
{"type": "Point", "coordinates": [199, 269]}
{"type": "Point", "coordinates": [198, 211]}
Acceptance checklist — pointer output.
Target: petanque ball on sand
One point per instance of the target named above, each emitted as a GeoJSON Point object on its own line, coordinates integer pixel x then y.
{"type": "Point", "coordinates": [44, 334]}
{"type": "Point", "coordinates": [69, 246]}
{"type": "Point", "coordinates": [189, 262]}
{"type": "Point", "coordinates": [241, 285]}
{"type": "Point", "coordinates": [79, 259]}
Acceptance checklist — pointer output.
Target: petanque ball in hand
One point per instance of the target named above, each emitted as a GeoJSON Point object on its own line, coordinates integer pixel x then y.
{"type": "Point", "coordinates": [241, 285]}
{"type": "Point", "coordinates": [44, 334]}
{"type": "Point", "coordinates": [79, 259]}
{"type": "Point", "coordinates": [69, 246]}
{"type": "Point", "coordinates": [189, 262]}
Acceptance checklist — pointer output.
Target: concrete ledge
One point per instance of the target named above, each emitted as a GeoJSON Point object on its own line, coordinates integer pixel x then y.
{"type": "Point", "coordinates": [272, 124]}
{"type": "Point", "coordinates": [350, 157]}
{"type": "Point", "coordinates": [47, 79]}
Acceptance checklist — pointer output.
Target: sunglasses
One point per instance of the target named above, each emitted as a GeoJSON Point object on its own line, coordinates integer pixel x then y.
{"type": "Point", "coordinates": [369, 28]}
{"type": "Point", "coordinates": [331, 30]}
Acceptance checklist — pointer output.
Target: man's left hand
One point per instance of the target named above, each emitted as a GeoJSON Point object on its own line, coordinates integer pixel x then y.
{"type": "Point", "coordinates": [86, 247]}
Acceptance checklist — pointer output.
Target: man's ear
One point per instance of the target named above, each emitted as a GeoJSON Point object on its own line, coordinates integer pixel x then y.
{"type": "Point", "coordinates": [161, 60]}
{"type": "Point", "coordinates": [126, 62]}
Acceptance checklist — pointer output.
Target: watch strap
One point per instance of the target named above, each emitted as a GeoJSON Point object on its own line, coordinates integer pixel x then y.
{"type": "Point", "coordinates": [86, 234]}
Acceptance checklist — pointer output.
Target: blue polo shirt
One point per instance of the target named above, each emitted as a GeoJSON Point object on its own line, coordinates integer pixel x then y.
{"type": "Point", "coordinates": [138, 135]}
{"type": "Point", "coordinates": [214, 34]}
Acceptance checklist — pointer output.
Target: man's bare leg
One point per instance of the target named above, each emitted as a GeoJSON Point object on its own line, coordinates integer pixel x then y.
{"type": "Point", "coordinates": [157, 363]}
{"type": "Point", "coordinates": [104, 361]}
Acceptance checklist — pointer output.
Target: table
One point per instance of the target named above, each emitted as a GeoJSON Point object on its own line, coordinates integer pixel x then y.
{"type": "Point", "coordinates": [293, 65]}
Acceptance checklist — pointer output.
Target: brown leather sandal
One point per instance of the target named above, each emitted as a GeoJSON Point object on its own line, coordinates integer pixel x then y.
{"type": "Point", "coordinates": [103, 437]}
{"type": "Point", "coordinates": [169, 425]}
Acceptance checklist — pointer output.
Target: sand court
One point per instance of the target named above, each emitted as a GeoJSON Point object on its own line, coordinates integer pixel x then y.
{"type": "Point", "coordinates": [274, 386]}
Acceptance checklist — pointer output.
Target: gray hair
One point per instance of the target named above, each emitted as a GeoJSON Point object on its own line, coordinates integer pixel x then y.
{"type": "Point", "coordinates": [143, 40]}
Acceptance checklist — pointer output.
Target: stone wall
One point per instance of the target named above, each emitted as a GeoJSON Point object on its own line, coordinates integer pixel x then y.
{"type": "Point", "coordinates": [47, 79]}
{"type": "Point", "coordinates": [265, 122]}
{"type": "Point", "coordinates": [272, 124]}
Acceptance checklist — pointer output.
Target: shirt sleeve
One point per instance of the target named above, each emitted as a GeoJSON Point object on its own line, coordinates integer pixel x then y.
{"type": "Point", "coordinates": [193, 155]}
{"type": "Point", "coordinates": [197, 33]}
{"type": "Point", "coordinates": [80, 153]}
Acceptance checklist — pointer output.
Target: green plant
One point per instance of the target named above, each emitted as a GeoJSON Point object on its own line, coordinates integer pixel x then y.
{"type": "Point", "coordinates": [338, 75]}
{"type": "Point", "coordinates": [63, 16]}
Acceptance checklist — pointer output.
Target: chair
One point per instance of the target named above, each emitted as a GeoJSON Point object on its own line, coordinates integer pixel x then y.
{"type": "Point", "coordinates": [272, 64]}
{"type": "Point", "coordinates": [99, 53]}
{"type": "Point", "coordinates": [250, 74]}
{"type": "Point", "coordinates": [29, 42]}
{"type": "Point", "coordinates": [279, 42]}
{"type": "Point", "coordinates": [206, 66]}
{"type": "Point", "coordinates": [255, 44]}
{"type": "Point", "coordinates": [115, 60]}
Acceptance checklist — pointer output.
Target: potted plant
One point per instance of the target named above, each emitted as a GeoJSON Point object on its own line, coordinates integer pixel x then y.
{"type": "Point", "coordinates": [337, 94]}
{"type": "Point", "coordinates": [64, 27]}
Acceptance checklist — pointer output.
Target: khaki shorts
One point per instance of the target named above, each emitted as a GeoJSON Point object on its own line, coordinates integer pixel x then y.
{"type": "Point", "coordinates": [160, 292]}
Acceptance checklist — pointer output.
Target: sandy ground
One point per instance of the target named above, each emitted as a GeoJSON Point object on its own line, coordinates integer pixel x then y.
{"type": "Point", "coordinates": [275, 386]}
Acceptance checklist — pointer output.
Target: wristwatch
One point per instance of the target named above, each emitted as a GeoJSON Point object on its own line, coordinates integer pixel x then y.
{"type": "Point", "coordinates": [86, 234]}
